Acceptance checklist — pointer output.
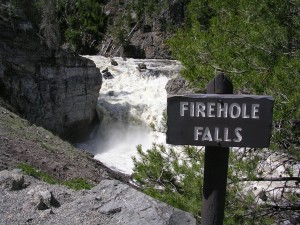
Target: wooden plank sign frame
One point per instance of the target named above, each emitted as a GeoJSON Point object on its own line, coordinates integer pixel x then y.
{"type": "Point", "coordinates": [223, 120]}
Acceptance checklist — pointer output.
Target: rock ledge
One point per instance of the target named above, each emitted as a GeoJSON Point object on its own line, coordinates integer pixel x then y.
{"type": "Point", "coordinates": [110, 202]}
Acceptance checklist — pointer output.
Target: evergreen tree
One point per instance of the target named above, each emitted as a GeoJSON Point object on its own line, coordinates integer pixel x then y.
{"type": "Point", "coordinates": [175, 176]}
{"type": "Point", "coordinates": [256, 43]}
{"type": "Point", "coordinates": [83, 23]}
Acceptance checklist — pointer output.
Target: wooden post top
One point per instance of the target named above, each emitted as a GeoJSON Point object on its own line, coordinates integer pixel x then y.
{"type": "Point", "coordinates": [220, 85]}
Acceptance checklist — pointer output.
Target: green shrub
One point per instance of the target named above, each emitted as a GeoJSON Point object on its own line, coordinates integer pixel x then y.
{"type": "Point", "coordinates": [176, 177]}
{"type": "Point", "coordinates": [78, 184]}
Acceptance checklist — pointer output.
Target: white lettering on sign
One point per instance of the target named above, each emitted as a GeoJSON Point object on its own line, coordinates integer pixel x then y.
{"type": "Point", "coordinates": [237, 132]}
{"type": "Point", "coordinates": [222, 108]}
{"type": "Point", "coordinates": [234, 110]}
{"type": "Point", "coordinates": [192, 109]}
{"type": "Point", "coordinates": [210, 109]}
{"type": "Point", "coordinates": [205, 134]}
{"type": "Point", "coordinates": [200, 107]}
{"type": "Point", "coordinates": [254, 110]}
{"type": "Point", "coordinates": [183, 107]}
{"type": "Point", "coordinates": [216, 136]}
{"type": "Point", "coordinates": [219, 110]}
{"type": "Point", "coordinates": [244, 114]}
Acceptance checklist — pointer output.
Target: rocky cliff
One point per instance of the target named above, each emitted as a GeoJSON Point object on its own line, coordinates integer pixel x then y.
{"type": "Point", "coordinates": [142, 27]}
{"type": "Point", "coordinates": [56, 90]}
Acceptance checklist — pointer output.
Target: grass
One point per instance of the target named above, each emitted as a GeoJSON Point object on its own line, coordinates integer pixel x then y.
{"type": "Point", "coordinates": [78, 184]}
{"type": "Point", "coordinates": [75, 184]}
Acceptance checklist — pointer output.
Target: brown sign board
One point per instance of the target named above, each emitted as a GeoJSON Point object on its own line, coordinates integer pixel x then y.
{"type": "Point", "coordinates": [223, 120]}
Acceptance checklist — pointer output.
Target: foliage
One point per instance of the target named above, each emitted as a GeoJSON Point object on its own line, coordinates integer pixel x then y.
{"type": "Point", "coordinates": [163, 174]}
{"type": "Point", "coordinates": [75, 184]}
{"type": "Point", "coordinates": [175, 176]}
{"type": "Point", "coordinates": [80, 23]}
{"type": "Point", "coordinates": [148, 9]}
{"type": "Point", "coordinates": [78, 184]}
{"type": "Point", "coordinates": [256, 43]}
{"type": "Point", "coordinates": [31, 171]}
{"type": "Point", "coordinates": [83, 23]}
{"type": "Point", "coordinates": [7, 11]}
{"type": "Point", "coordinates": [120, 29]}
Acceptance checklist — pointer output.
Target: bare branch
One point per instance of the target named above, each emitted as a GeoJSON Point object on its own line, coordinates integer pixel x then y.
{"type": "Point", "coordinates": [271, 179]}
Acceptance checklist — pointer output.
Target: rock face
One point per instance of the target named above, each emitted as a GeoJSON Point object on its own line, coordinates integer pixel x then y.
{"type": "Point", "coordinates": [57, 91]}
{"type": "Point", "coordinates": [147, 35]}
{"type": "Point", "coordinates": [110, 202]}
{"type": "Point", "coordinates": [180, 86]}
{"type": "Point", "coordinates": [148, 44]}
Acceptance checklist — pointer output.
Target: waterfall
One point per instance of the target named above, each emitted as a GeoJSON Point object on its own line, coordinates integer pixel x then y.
{"type": "Point", "coordinates": [131, 104]}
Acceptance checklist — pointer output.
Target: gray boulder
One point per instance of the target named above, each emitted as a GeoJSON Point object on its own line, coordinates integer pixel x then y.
{"type": "Point", "coordinates": [11, 181]}
{"type": "Point", "coordinates": [41, 199]}
{"type": "Point", "coordinates": [180, 86]}
{"type": "Point", "coordinates": [107, 75]}
{"type": "Point", "coordinates": [134, 208]}
{"type": "Point", "coordinates": [114, 62]}
{"type": "Point", "coordinates": [142, 66]}
{"type": "Point", "coordinates": [105, 70]}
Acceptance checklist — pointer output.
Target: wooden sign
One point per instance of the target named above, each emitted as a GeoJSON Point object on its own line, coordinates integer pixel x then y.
{"type": "Point", "coordinates": [222, 120]}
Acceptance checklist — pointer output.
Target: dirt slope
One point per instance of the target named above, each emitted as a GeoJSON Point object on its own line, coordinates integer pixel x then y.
{"type": "Point", "coordinates": [22, 142]}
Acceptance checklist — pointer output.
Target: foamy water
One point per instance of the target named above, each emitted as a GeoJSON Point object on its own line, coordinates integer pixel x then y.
{"type": "Point", "coordinates": [132, 106]}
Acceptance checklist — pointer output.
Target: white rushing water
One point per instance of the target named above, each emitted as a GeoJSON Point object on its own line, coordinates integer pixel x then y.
{"type": "Point", "coordinates": [132, 105]}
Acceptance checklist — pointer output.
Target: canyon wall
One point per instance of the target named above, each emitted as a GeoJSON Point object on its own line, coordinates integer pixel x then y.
{"type": "Point", "coordinates": [54, 89]}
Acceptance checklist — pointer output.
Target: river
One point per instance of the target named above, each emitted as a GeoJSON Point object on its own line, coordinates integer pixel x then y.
{"type": "Point", "coordinates": [131, 102]}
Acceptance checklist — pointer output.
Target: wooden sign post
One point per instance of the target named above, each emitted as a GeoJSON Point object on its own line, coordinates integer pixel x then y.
{"type": "Point", "coordinates": [215, 167]}
{"type": "Point", "coordinates": [218, 120]}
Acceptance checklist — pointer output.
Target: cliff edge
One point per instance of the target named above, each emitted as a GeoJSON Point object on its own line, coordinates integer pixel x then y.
{"type": "Point", "coordinates": [56, 90]}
